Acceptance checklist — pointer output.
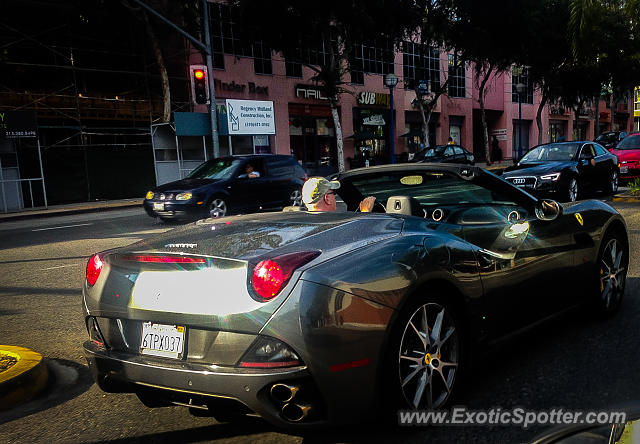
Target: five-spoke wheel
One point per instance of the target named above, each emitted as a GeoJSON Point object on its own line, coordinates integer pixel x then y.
{"type": "Point", "coordinates": [612, 268]}
{"type": "Point", "coordinates": [428, 356]}
{"type": "Point", "coordinates": [572, 190]}
{"type": "Point", "coordinates": [218, 208]}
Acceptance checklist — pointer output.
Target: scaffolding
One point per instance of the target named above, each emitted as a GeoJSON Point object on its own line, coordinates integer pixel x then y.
{"type": "Point", "coordinates": [95, 100]}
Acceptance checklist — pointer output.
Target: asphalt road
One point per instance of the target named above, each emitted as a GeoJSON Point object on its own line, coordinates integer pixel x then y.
{"type": "Point", "coordinates": [574, 362]}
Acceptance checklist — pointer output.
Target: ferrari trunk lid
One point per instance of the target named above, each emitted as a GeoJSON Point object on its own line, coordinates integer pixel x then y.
{"type": "Point", "coordinates": [200, 275]}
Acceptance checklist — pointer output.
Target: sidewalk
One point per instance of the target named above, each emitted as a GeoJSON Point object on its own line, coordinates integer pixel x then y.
{"type": "Point", "coordinates": [66, 209]}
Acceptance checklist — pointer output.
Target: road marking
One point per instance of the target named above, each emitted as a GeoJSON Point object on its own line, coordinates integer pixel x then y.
{"type": "Point", "coordinates": [64, 226]}
{"type": "Point", "coordinates": [60, 266]}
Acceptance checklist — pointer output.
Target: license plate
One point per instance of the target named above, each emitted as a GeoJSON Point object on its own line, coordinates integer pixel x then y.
{"type": "Point", "coordinates": [158, 206]}
{"type": "Point", "coordinates": [624, 169]}
{"type": "Point", "coordinates": [162, 340]}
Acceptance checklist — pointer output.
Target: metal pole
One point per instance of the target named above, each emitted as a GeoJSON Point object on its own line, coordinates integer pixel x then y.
{"type": "Point", "coordinates": [31, 193]}
{"type": "Point", "coordinates": [4, 198]}
{"type": "Point", "coordinates": [44, 189]}
{"type": "Point", "coordinates": [204, 145]}
{"type": "Point", "coordinates": [178, 158]}
{"type": "Point", "coordinates": [392, 148]}
{"type": "Point", "coordinates": [212, 92]}
{"type": "Point", "coordinates": [230, 146]}
{"type": "Point", "coordinates": [519, 126]}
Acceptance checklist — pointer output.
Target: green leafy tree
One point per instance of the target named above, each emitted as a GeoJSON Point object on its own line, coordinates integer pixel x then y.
{"type": "Point", "coordinates": [330, 28]}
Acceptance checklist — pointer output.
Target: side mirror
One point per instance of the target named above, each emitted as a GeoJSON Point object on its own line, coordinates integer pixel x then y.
{"type": "Point", "coordinates": [548, 209]}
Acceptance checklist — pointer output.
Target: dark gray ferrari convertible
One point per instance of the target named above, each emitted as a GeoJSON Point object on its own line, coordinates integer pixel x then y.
{"type": "Point", "coordinates": [314, 318]}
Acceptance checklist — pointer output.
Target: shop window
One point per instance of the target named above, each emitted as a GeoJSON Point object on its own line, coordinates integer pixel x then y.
{"type": "Point", "coordinates": [457, 87]}
{"type": "Point", "coordinates": [420, 62]}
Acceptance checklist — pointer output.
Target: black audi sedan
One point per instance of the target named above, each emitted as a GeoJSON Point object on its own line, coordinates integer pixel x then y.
{"type": "Point", "coordinates": [565, 170]}
{"type": "Point", "coordinates": [237, 184]}
{"type": "Point", "coordinates": [445, 154]}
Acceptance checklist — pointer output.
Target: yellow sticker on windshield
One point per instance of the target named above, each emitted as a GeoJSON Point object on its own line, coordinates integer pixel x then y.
{"type": "Point", "coordinates": [411, 180]}
{"type": "Point", "coordinates": [579, 218]}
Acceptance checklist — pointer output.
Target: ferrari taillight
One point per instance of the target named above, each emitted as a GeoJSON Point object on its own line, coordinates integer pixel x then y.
{"type": "Point", "coordinates": [94, 267]}
{"type": "Point", "coordinates": [271, 275]}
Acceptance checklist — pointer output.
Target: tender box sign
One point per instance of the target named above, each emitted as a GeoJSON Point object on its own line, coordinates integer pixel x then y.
{"type": "Point", "coordinates": [250, 117]}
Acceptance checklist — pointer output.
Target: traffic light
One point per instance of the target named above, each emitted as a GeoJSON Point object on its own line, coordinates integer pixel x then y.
{"type": "Point", "coordinates": [199, 84]}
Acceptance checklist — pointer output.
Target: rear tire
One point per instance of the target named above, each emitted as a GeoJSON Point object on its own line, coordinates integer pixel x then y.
{"type": "Point", "coordinates": [610, 275]}
{"type": "Point", "coordinates": [426, 356]}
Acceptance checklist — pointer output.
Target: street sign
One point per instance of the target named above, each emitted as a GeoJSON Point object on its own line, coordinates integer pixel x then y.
{"type": "Point", "coordinates": [423, 86]}
{"type": "Point", "coordinates": [18, 124]}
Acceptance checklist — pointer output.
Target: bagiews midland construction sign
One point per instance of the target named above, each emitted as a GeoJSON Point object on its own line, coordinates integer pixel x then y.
{"type": "Point", "coordinates": [250, 117]}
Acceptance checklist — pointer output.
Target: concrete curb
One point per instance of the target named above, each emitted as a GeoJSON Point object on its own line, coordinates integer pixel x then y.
{"type": "Point", "coordinates": [23, 380]}
{"type": "Point", "coordinates": [31, 214]}
{"type": "Point", "coordinates": [627, 198]}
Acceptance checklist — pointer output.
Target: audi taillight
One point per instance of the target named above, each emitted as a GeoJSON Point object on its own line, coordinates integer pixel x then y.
{"type": "Point", "coordinates": [271, 275]}
{"type": "Point", "coordinates": [94, 267]}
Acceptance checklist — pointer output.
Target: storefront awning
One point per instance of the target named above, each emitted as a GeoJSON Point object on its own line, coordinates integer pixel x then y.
{"type": "Point", "coordinates": [413, 133]}
{"type": "Point", "coordinates": [364, 135]}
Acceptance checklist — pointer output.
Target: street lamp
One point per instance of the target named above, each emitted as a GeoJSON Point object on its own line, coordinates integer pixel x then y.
{"type": "Point", "coordinates": [520, 89]}
{"type": "Point", "coordinates": [390, 81]}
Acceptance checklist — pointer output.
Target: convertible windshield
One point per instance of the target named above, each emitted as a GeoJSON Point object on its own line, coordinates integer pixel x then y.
{"type": "Point", "coordinates": [215, 169]}
{"type": "Point", "coordinates": [428, 188]}
{"type": "Point", "coordinates": [551, 152]}
{"type": "Point", "coordinates": [629, 143]}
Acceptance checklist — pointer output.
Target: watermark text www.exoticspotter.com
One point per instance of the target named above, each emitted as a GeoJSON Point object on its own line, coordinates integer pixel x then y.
{"type": "Point", "coordinates": [518, 416]}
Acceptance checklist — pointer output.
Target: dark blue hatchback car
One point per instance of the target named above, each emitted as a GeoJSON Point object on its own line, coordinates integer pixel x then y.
{"type": "Point", "coordinates": [226, 185]}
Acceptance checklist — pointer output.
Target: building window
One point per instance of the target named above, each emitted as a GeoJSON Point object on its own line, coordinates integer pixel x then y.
{"type": "Point", "coordinates": [521, 75]}
{"type": "Point", "coordinates": [420, 62]}
{"type": "Point", "coordinates": [294, 69]}
{"type": "Point", "coordinates": [262, 58]}
{"type": "Point", "coordinates": [376, 58]}
{"type": "Point", "coordinates": [456, 77]}
{"type": "Point", "coordinates": [227, 39]}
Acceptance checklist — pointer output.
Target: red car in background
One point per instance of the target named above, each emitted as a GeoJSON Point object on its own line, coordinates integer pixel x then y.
{"type": "Point", "coordinates": [628, 153]}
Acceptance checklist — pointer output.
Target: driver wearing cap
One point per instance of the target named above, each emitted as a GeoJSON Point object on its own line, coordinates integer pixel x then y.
{"type": "Point", "coordinates": [318, 194]}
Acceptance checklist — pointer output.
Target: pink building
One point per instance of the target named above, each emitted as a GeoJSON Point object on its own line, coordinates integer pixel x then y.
{"type": "Point", "coordinates": [304, 126]}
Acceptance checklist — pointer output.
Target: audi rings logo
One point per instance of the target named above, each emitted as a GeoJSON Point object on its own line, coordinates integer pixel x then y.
{"type": "Point", "coordinates": [518, 181]}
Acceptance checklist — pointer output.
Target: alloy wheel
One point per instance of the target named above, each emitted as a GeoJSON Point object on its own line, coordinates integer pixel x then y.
{"type": "Point", "coordinates": [612, 274]}
{"type": "Point", "coordinates": [614, 182]}
{"type": "Point", "coordinates": [218, 208]}
{"type": "Point", "coordinates": [428, 357]}
{"type": "Point", "coordinates": [573, 190]}
{"type": "Point", "coordinates": [295, 198]}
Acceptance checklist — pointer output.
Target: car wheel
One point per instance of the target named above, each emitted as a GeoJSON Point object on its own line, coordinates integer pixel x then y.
{"type": "Point", "coordinates": [218, 207]}
{"type": "Point", "coordinates": [571, 194]}
{"type": "Point", "coordinates": [612, 185]}
{"type": "Point", "coordinates": [295, 198]}
{"type": "Point", "coordinates": [426, 355]}
{"type": "Point", "coordinates": [611, 272]}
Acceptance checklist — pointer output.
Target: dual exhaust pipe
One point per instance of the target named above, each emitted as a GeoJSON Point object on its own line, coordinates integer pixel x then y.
{"type": "Point", "coordinates": [284, 394]}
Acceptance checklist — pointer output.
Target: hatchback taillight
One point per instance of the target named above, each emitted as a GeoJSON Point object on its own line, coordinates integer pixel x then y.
{"type": "Point", "coordinates": [271, 275]}
{"type": "Point", "coordinates": [94, 267]}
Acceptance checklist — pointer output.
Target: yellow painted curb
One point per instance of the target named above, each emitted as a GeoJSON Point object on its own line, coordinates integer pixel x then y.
{"type": "Point", "coordinates": [23, 380]}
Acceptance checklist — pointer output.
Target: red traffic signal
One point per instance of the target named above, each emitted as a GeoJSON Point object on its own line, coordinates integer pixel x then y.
{"type": "Point", "coordinates": [199, 84]}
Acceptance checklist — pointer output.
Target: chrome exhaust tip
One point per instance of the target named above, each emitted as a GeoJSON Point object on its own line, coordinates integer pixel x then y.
{"type": "Point", "coordinates": [295, 412]}
{"type": "Point", "coordinates": [284, 392]}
